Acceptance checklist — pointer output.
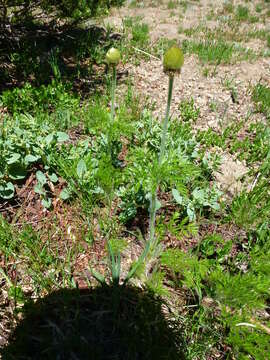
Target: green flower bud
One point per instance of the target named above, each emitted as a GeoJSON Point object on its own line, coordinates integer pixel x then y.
{"type": "Point", "coordinates": [173, 59]}
{"type": "Point", "coordinates": [113, 56]}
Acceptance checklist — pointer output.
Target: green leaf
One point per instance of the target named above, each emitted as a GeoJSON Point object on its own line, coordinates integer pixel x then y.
{"type": "Point", "coordinates": [115, 264]}
{"type": "Point", "coordinates": [31, 158]}
{"type": "Point", "coordinates": [13, 159]}
{"type": "Point", "coordinates": [191, 212]}
{"type": "Point", "coordinates": [16, 293]}
{"type": "Point", "coordinates": [49, 138]}
{"type": "Point", "coordinates": [100, 278]}
{"type": "Point", "coordinates": [47, 203]}
{"type": "Point", "coordinates": [41, 177]}
{"type": "Point", "coordinates": [53, 177]}
{"type": "Point", "coordinates": [138, 263]}
{"type": "Point", "coordinates": [214, 206]}
{"type": "Point", "coordinates": [39, 189]}
{"type": "Point", "coordinates": [17, 171]}
{"type": "Point", "coordinates": [7, 190]}
{"type": "Point", "coordinates": [177, 197]}
{"type": "Point", "coordinates": [199, 195]}
{"type": "Point", "coordinates": [62, 136]}
{"type": "Point", "coordinates": [65, 194]}
{"type": "Point", "coordinates": [81, 168]}
{"type": "Point", "coordinates": [158, 205]}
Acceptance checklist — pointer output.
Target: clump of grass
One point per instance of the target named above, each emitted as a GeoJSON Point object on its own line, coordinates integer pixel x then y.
{"type": "Point", "coordinates": [189, 111]}
{"type": "Point", "coordinates": [242, 13]}
{"type": "Point", "coordinates": [261, 97]}
{"type": "Point", "coordinates": [210, 51]}
{"type": "Point", "coordinates": [140, 34]}
{"type": "Point", "coordinates": [217, 51]}
{"type": "Point", "coordinates": [172, 5]}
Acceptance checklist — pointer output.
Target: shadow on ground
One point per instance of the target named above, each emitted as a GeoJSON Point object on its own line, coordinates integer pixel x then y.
{"type": "Point", "coordinates": [102, 323]}
{"type": "Point", "coordinates": [30, 52]}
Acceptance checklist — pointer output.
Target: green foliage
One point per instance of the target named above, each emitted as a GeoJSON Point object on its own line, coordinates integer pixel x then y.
{"type": "Point", "coordinates": [199, 199]}
{"type": "Point", "coordinates": [242, 13]}
{"type": "Point", "coordinates": [140, 34]}
{"type": "Point", "coordinates": [188, 110]}
{"type": "Point", "coordinates": [240, 291]}
{"type": "Point", "coordinates": [176, 226]}
{"type": "Point", "coordinates": [28, 99]}
{"type": "Point", "coordinates": [25, 144]}
{"type": "Point", "coordinates": [238, 296]}
{"type": "Point", "coordinates": [252, 208]}
{"type": "Point", "coordinates": [42, 188]}
{"type": "Point", "coordinates": [40, 261]}
{"type": "Point", "coordinates": [112, 168]}
{"type": "Point", "coordinates": [8, 243]}
{"type": "Point", "coordinates": [217, 50]}
{"type": "Point", "coordinates": [177, 172]}
{"type": "Point", "coordinates": [248, 340]}
{"type": "Point", "coordinates": [261, 97]}
{"type": "Point", "coordinates": [155, 284]}
{"type": "Point", "coordinates": [186, 269]}
{"type": "Point", "coordinates": [65, 9]}
{"type": "Point", "coordinates": [213, 247]}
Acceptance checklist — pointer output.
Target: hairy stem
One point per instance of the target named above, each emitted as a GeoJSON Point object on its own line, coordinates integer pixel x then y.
{"type": "Point", "coordinates": [153, 199]}
{"type": "Point", "coordinates": [113, 87]}
{"type": "Point", "coordinates": [113, 93]}
{"type": "Point", "coordinates": [152, 215]}
{"type": "Point", "coordinates": [166, 121]}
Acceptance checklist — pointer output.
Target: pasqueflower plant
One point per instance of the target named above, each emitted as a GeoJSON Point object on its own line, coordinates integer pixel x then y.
{"type": "Point", "coordinates": [172, 64]}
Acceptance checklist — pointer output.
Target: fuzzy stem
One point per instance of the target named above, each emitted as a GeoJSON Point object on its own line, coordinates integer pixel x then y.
{"type": "Point", "coordinates": [153, 200]}
{"type": "Point", "coordinates": [166, 121]}
{"type": "Point", "coordinates": [113, 87]}
{"type": "Point", "coordinates": [152, 215]}
{"type": "Point", "coordinates": [113, 92]}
